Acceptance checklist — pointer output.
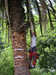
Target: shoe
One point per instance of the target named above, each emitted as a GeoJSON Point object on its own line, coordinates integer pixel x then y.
{"type": "Point", "coordinates": [33, 66]}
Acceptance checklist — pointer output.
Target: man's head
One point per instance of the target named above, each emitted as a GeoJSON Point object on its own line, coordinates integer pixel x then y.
{"type": "Point", "coordinates": [33, 33]}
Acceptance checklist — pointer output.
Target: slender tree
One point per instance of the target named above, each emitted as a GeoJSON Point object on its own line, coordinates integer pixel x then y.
{"type": "Point", "coordinates": [53, 10]}
{"type": "Point", "coordinates": [39, 12]}
{"type": "Point", "coordinates": [44, 15]}
{"type": "Point", "coordinates": [51, 24]}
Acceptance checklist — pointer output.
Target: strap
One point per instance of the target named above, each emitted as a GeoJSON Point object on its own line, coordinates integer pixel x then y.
{"type": "Point", "coordinates": [19, 57]}
{"type": "Point", "coordinates": [18, 49]}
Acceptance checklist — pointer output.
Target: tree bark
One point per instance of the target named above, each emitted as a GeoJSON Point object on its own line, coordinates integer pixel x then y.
{"type": "Point", "coordinates": [16, 14]}
{"type": "Point", "coordinates": [19, 46]}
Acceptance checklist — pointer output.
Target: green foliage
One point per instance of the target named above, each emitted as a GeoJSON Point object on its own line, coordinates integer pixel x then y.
{"type": "Point", "coordinates": [6, 53]}
{"type": "Point", "coordinates": [47, 48]}
{"type": "Point", "coordinates": [1, 45]}
{"type": "Point", "coordinates": [6, 62]}
{"type": "Point", "coordinates": [3, 31]}
{"type": "Point", "coordinates": [38, 71]}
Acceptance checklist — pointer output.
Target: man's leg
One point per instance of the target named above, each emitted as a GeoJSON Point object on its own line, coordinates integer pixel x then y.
{"type": "Point", "coordinates": [30, 59]}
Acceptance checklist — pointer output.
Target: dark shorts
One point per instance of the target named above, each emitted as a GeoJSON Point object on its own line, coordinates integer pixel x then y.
{"type": "Point", "coordinates": [33, 49]}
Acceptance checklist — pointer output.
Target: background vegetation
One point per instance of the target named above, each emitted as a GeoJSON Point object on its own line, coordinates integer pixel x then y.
{"type": "Point", "coordinates": [46, 47]}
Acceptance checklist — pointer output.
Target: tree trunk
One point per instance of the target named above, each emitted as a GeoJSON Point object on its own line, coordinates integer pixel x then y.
{"type": "Point", "coordinates": [44, 15]}
{"type": "Point", "coordinates": [39, 12]}
{"type": "Point", "coordinates": [16, 13]}
{"type": "Point", "coordinates": [19, 46]}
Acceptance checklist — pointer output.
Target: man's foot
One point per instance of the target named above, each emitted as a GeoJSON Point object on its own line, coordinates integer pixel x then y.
{"type": "Point", "coordinates": [31, 66]}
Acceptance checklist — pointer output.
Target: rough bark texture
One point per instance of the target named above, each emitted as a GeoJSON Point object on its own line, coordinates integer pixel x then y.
{"type": "Point", "coordinates": [16, 14]}
{"type": "Point", "coordinates": [20, 63]}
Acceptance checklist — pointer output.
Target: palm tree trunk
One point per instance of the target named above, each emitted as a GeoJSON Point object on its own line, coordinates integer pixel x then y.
{"type": "Point", "coordinates": [19, 46]}
{"type": "Point", "coordinates": [44, 15]}
{"type": "Point", "coordinates": [39, 12]}
{"type": "Point", "coordinates": [16, 14]}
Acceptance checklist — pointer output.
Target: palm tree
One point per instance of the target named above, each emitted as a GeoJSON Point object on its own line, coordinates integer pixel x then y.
{"type": "Point", "coordinates": [15, 15]}
{"type": "Point", "coordinates": [18, 34]}
{"type": "Point", "coordinates": [43, 15]}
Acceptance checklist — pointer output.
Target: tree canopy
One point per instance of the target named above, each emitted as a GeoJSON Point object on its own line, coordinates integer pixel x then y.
{"type": "Point", "coordinates": [31, 6]}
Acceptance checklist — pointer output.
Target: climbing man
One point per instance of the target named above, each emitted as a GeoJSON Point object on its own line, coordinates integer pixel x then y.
{"type": "Point", "coordinates": [33, 55]}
